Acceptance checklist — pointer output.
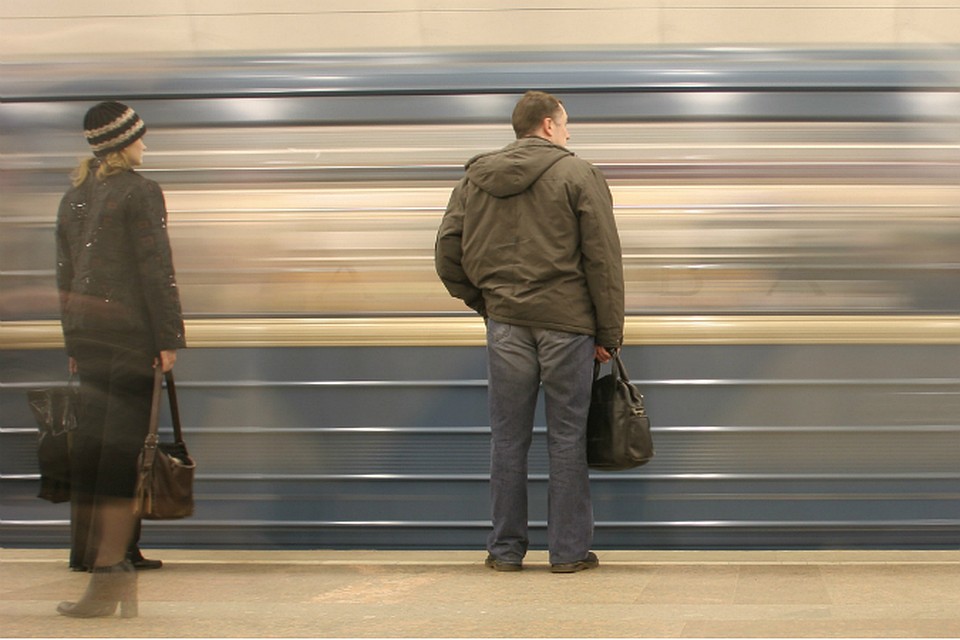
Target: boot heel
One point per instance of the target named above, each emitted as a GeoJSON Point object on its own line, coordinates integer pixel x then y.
{"type": "Point", "coordinates": [128, 593]}
{"type": "Point", "coordinates": [129, 608]}
{"type": "Point", "coordinates": [108, 587]}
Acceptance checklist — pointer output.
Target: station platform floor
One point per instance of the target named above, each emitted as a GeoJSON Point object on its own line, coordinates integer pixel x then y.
{"type": "Point", "coordinates": [450, 594]}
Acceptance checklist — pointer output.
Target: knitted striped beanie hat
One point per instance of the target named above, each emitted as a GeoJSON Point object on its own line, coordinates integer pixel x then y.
{"type": "Point", "coordinates": [112, 126]}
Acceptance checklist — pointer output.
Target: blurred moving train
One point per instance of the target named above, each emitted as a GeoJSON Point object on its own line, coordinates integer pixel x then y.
{"type": "Point", "coordinates": [789, 221]}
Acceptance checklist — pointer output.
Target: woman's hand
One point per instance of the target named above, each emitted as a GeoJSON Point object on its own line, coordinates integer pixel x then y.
{"type": "Point", "coordinates": [166, 360]}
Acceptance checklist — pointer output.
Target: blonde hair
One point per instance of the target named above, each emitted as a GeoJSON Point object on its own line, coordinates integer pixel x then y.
{"type": "Point", "coordinates": [110, 165]}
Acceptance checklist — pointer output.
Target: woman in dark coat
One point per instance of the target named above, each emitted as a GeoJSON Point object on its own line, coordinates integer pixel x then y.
{"type": "Point", "coordinates": [121, 318]}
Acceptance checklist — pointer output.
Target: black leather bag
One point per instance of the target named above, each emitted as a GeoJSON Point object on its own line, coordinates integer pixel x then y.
{"type": "Point", "coordinates": [56, 411]}
{"type": "Point", "coordinates": [166, 470]}
{"type": "Point", "coordinates": [618, 428]}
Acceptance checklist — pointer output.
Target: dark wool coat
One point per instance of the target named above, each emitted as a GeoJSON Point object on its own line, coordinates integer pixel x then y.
{"type": "Point", "coordinates": [115, 268]}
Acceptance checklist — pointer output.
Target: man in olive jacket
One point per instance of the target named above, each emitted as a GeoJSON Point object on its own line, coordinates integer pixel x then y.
{"type": "Point", "coordinates": [529, 242]}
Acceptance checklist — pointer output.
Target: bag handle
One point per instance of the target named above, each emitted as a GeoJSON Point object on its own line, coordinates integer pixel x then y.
{"type": "Point", "coordinates": [152, 437]}
{"type": "Point", "coordinates": [150, 443]}
{"type": "Point", "coordinates": [621, 368]}
{"type": "Point", "coordinates": [155, 404]}
{"type": "Point", "coordinates": [174, 407]}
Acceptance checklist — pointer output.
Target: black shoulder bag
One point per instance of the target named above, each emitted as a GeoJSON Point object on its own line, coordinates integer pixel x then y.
{"type": "Point", "coordinates": [618, 428]}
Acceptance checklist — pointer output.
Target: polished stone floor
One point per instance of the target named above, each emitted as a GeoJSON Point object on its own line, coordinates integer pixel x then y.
{"type": "Point", "coordinates": [384, 594]}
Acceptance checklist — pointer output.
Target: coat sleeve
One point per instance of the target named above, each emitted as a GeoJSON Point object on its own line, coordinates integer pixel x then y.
{"type": "Point", "coordinates": [154, 258]}
{"type": "Point", "coordinates": [64, 268]}
{"type": "Point", "coordinates": [602, 257]}
{"type": "Point", "coordinates": [448, 254]}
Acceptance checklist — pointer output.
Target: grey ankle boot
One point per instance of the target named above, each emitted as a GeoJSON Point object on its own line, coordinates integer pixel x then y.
{"type": "Point", "coordinates": [108, 587]}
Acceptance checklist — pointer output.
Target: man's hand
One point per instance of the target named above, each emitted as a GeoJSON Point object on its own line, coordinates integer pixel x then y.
{"type": "Point", "coordinates": [602, 355]}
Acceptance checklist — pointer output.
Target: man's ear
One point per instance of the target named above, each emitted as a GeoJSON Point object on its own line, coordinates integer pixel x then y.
{"type": "Point", "coordinates": [546, 127]}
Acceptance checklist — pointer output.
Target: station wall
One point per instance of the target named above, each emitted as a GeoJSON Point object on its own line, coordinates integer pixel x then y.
{"type": "Point", "coordinates": [36, 28]}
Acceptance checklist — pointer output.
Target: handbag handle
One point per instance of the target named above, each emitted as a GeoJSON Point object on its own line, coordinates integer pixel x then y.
{"type": "Point", "coordinates": [158, 377]}
{"type": "Point", "coordinates": [149, 452]}
{"type": "Point", "coordinates": [174, 406]}
{"type": "Point", "coordinates": [155, 404]}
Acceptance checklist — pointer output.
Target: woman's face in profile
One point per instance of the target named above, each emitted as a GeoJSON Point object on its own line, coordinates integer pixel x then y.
{"type": "Point", "coordinates": [134, 152]}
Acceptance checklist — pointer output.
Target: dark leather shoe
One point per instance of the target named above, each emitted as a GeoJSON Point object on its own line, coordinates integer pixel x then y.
{"type": "Point", "coordinates": [590, 562]}
{"type": "Point", "coordinates": [142, 564]}
{"type": "Point", "coordinates": [499, 565]}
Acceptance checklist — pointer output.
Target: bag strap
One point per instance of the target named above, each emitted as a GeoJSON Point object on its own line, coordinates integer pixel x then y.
{"type": "Point", "coordinates": [621, 368]}
{"type": "Point", "coordinates": [155, 405]}
{"type": "Point", "coordinates": [150, 443]}
{"type": "Point", "coordinates": [174, 407]}
{"type": "Point", "coordinates": [153, 438]}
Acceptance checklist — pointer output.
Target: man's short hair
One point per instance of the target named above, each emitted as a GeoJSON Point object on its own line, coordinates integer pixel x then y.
{"type": "Point", "coordinates": [531, 110]}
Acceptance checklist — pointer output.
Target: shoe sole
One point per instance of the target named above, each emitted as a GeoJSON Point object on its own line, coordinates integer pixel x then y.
{"type": "Point", "coordinates": [574, 567]}
{"type": "Point", "coordinates": [503, 566]}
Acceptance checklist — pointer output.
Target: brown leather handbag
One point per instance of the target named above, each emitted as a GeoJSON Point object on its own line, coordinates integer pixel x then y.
{"type": "Point", "coordinates": [165, 482]}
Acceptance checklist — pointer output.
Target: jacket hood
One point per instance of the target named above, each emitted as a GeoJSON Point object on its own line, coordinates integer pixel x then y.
{"type": "Point", "coordinates": [514, 168]}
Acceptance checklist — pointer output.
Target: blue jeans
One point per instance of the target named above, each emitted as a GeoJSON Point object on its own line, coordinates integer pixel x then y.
{"type": "Point", "coordinates": [519, 360]}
